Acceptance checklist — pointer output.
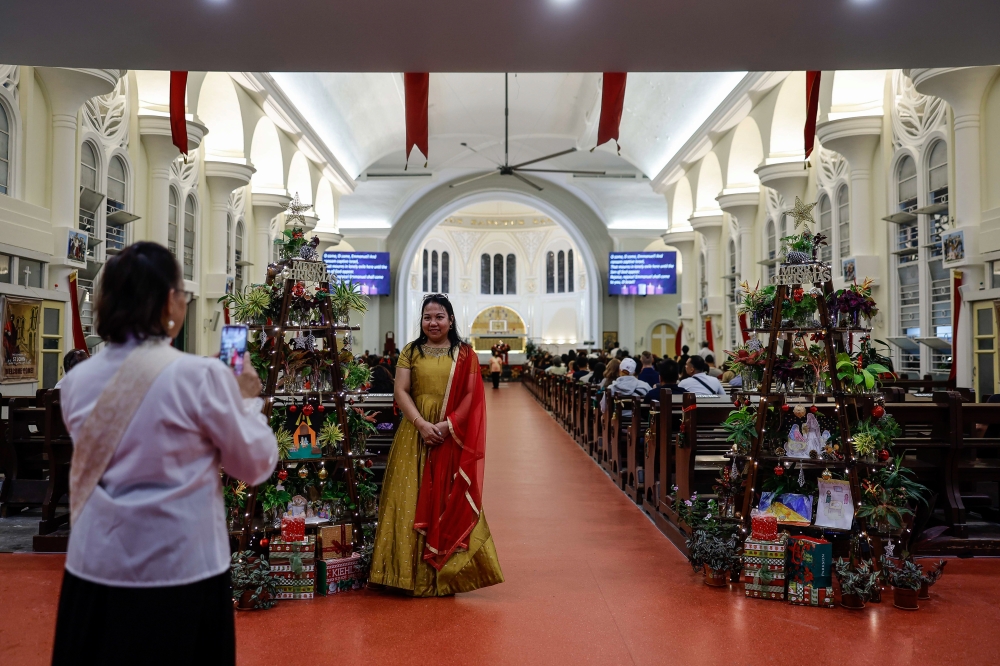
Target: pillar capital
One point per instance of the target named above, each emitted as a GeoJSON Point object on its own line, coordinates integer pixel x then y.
{"type": "Point", "coordinates": [855, 138]}
{"type": "Point", "coordinates": [786, 178]}
{"type": "Point", "coordinates": [224, 177]}
{"type": "Point", "coordinates": [961, 87]}
{"type": "Point", "coordinates": [67, 89]}
{"type": "Point", "coordinates": [741, 204]}
{"type": "Point", "coordinates": [154, 131]}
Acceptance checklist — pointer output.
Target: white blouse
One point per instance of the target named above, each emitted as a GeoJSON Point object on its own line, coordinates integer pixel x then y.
{"type": "Point", "coordinates": [157, 516]}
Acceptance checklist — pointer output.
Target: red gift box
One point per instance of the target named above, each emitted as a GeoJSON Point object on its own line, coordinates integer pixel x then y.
{"type": "Point", "coordinates": [293, 528]}
{"type": "Point", "coordinates": [764, 526]}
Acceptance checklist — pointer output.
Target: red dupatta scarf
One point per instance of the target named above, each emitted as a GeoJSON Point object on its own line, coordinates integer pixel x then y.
{"type": "Point", "coordinates": [451, 491]}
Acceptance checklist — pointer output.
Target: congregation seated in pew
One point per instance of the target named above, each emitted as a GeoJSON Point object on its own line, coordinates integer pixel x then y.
{"type": "Point", "coordinates": [698, 380]}
{"type": "Point", "coordinates": [626, 385]}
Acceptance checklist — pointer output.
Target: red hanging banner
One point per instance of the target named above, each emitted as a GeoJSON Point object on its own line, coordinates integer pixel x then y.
{"type": "Point", "coordinates": [678, 340]}
{"type": "Point", "coordinates": [178, 107]}
{"type": "Point", "coordinates": [812, 110]}
{"type": "Point", "coordinates": [956, 308]}
{"type": "Point", "coordinates": [612, 103]}
{"type": "Point", "coordinates": [743, 327]}
{"type": "Point", "coordinates": [416, 86]}
{"type": "Point", "coordinates": [79, 341]}
{"type": "Point", "coordinates": [709, 338]}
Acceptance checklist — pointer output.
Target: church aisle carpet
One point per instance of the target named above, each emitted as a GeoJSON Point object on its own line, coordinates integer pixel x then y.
{"type": "Point", "coordinates": [590, 580]}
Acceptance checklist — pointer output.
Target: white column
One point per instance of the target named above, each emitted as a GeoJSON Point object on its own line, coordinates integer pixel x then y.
{"type": "Point", "coordinates": [223, 178]}
{"type": "Point", "coordinates": [856, 139]}
{"type": "Point", "coordinates": [67, 90]}
{"type": "Point", "coordinates": [787, 179]}
{"type": "Point", "coordinates": [709, 225]}
{"type": "Point", "coordinates": [963, 89]}
{"type": "Point", "coordinates": [160, 153]}
{"type": "Point", "coordinates": [266, 206]}
{"type": "Point", "coordinates": [743, 206]}
{"type": "Point", "coordinates": [684, 242]}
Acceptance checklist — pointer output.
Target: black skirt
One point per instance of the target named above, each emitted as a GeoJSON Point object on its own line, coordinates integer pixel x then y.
{"type": "Point", "coordinates": [182, 624]}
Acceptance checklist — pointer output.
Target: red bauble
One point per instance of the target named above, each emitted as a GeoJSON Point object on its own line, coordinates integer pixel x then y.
{"type": "Point", "coordinates": [785, 407]}
{"type": "Point", "coordinates": [282, 475]}
{"type": "Point", "coordinates": [293, 409]}
{"type": "Point", "coordinates": [368, 463]}
{"type": "Point", "coordinates": [814, 409]}
{"type": "Point", "coordinates": [265, 541]}
{"type": "Point", "coordinates": [737, 403]}
{"type": "Point", "coordinates": [307, 410]}
{"type": "Point", "coordinates": [883, 455]}
{"type": "Point", "coordinates": [320, 409]}
{"type": "Point", "coordinates": [878, 411]}
{"type": "Point", "coordinates": [746, 402]}
{"type": "Point", "coordinates": [779, 470]}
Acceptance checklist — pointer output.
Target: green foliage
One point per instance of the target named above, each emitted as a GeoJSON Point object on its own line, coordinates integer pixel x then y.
{"type": "Point", "coordinates": [880, 509]}
{"type": "Point", "coordinates": [719, 551]}
{"type": "Point", "coordinates": [935, 573]}
{"type": "Point", "coordinates": [347, 297]}
{"type": "Point", "coordinates": [361, 423]}
{"type": "Point", "coordinates": [872, 435]}
{"type": "Point", "coordinates": [249, 572]}
{"type": "Point", "coordinates": [909, 576]}
{"type": "Point", "coordinates": [898, 482]}
{"type": "Point", "coordinates": [234, 495]}
{"type": "Point", "coordinates": [330, 434]}
{"type": "Point", "coordinates": [249, 306]}
{"type": "Point", "coordinates": [271, 498]}
{"type": "Point", "coordinates": [741, 428]}
{"type": "Point", "coordinates": [358, 374]}
{"type": "Point", "coordinates": [860, 580]}
{"type": "Point", "coordinates": [788, 483]}
{"type": "Point", "coordinates": [854, 376]}
{"type": "Point", "coordinates": [292, 241]}
{"type": "Point", "coordinates": [285, 442]}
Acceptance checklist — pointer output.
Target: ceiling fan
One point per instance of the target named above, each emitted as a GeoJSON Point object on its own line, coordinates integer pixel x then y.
{"type": "Point", "coordinates": [508, 169]}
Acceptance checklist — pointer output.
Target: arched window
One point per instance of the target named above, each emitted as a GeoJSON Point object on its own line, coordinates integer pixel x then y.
{"type": "Point", "coordinates": [190, 210]}
{"type": "Point", "coordinates": [229, 244]}
{"type": "Point", "coordinates": [937, 172]}
{"type": "Point", "coordinates": [497, 273]}
{"type": "Point", "coordinates": [733, 329]}
{"type": "Point", "coordinates": [906, 189]}
{"type": "Point", "coordinates": [844, 222]}
{"type": "Point", "coordinates": [434, 271]}
{"type": "Point", "coordinates": [426, 270]}
{"type": "Point", "coordinates": [771, 247]}
{"type": "Point", "coordinates": [445, 273]}
{"type": "Point", "coordinates": [172, 221]}
{"type": "Point", "coordinates": [511, 274]}
{"type": "Point", "coordinates": [485, 280]}
{"type": "Point", "coordinates": [550, 273]}
{"type": "Point", "coordinates": [4, 151]}
{"type": "Point", "coordinates": [114, 232]}
{"type": "Point", "coordinates": [561, 269]}
{"type": "Point", "coordinates": [569, 271]}
{"type": "Point", "coordinates": [826, 228]}
{"type": "Point", "coordinates": [88, 166]}
{"type": "Point", "coordinates": [238, 252]}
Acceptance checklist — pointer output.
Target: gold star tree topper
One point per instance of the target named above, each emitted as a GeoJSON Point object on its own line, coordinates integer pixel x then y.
{"type": "Point", "coordinates": [802, 212]}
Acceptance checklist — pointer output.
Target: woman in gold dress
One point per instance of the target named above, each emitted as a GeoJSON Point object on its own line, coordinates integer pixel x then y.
{"type": "Point", "coordinates": [432, 537]}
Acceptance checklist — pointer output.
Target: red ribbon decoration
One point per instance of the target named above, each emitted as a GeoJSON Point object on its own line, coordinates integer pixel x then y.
{"type": "Point", "coordinates": [812, 109]}
{"type": "Point", "coordinates": [612, 103]}
{"type": "Point", "coordinates": [415, 86]}
{"type": "Point", "coordinates": [178, 121]}
{"type": "Point", "coordinates": [956, 290]}
{"type": "Point", "coordinates": [743, 327]}
{"type": "Point", "coordinates": [79, 341]}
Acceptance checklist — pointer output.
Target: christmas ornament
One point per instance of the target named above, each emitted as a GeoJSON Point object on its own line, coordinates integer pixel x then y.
{"type": "Point", "coordinates": [802, 476]}
{"type": "Point", "coordinates": [797, 295]}
{"type": "Point", "coordinates": [779, 470]}
{"type": "Point", "coordinates": [785, 407]}
{"type": "Point", "coordinates": [303, 472]}
{"type": "Point", "coordinates": [801, 212]}
{"type": "Point", "coordinates": [368, 464]}
{"type": "Point", "coordinates": [889, 547]}
{"type": "Point", "coordinates": [878, 411]}
{"type": "Point", "coordinates": [293, 409]}
{"type": "Point", "coordinates": [814, 409]}
{"type": "Point", "coordinates": [322, 474]}
{"type": "Point", "coordinates": [308, 252]}
{"type": "Point", "coordinates": [320, 408]}
{"type": "Point", "coordinates": [282, 475]}
{"type": "Point", "coordinates": [264, 541]}
{"type": "Point", "coordinates": [826, 475]}
{"type": "Point", "coordinates": [799, 411]}
{"type": "Point", "coordinates": [737, 403]}
{"type": "Point", "coordinates": [883, 455]}
{"type": "Point", "coordinates": [307, 410]}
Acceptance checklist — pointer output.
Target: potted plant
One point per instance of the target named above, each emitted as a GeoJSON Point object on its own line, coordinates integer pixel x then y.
{"type": "Point", "coordinates": [715, 552]}
{"type": "Point", "coordinates": [344, 298]}
{"type": "Point", "coordinates": [856, 377]}
{"type": "Point", "coordinates": [931, 577]}
{"type": "Point", "coordinates": [853, 303]}
{"type": "Point", "coordinates": [905, 580]}
{"type": "Point", "coordinates": [254, 586]}
{"type": "Point", "coordinates": [741, 429]}
{"type": "Point", "coordinates": [234, 496]}
{"type": "Point", "coordinates": [757, 304]}
{"type": "Point", "coordinates": [857, 584]}
{"type": "Point", "coordinates": [799, 309]}
{"type": "Point", "coordinates": [361, 425]}
{"type": "Point", "coordinates": [881, 509]}
{"type": "Point", "coordinates": [274, 502]}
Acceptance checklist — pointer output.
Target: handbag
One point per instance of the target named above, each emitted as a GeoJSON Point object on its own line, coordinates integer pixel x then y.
{"type": "Point", "coordinates": [104, 428]}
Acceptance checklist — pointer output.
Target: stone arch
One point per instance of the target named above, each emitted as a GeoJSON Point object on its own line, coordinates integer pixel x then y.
{"type": "Point", "coordinates": [682, 205]}
{"type": "Point", "coordinates": [219, 110]}
{"type": "Point", "coordinates": [856, 93]}
{"type": "Point", "coordinates": [326, 206]}
{"type": "Point", "coordinates": [300, 179]}
{"type": "Point", "coordinates": [745, 155]}
{"type": "Point", "coordinates": [788, 119]}
{"type": "Point", "coordinates": [709, 183]}
{"type": "Point", "coordinates": [265, 155]}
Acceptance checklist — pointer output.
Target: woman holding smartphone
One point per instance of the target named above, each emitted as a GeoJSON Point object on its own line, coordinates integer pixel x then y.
{"type": "Point", "coordinates": [147, 569]}
{"type": "Point", "coordinates": [432, 537]}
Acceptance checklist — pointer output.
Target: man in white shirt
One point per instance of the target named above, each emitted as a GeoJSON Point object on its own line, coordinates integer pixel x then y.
{"type": "Point", "coordinates": [698, 380]}
{"type": "Point", "coordinates": [557, 368]}
{"type": "Point", "coordinates": [704, 352]}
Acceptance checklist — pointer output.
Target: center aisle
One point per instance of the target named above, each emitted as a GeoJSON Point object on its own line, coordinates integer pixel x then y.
{"type": "Point", "coordinates": [589, 579]}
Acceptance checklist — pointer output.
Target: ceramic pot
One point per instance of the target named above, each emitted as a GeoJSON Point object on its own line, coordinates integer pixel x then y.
{"type": "Point", "coordinates": [925, 592]}
{"type": "Point", "coordinates": [876, 595]}
{"type": "Point", "coordinates": [714, 578]}
{"type": "Point", "coordinates": [852, 601]}
{"type": "Point", "coordinates": [244, 602]}
{"type": "Point", "coordinates": [905, 598]}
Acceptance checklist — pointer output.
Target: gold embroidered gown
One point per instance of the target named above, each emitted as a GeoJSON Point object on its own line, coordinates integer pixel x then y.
{"type": "Point", "coordinates": [397, 560]}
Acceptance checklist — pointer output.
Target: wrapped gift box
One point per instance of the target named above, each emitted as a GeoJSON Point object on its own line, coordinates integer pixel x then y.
{"type": "Point", "coordinates": [339, 575]}
{"type": "Point", "coordinates": [295, 595]}
{"type": "Point", "coordinates": [336, 541]}
{"type": "Point", "coordinates": [764, 568]}
{"type": "Point", "coordinates": [810, 561]}
{"type": "Point", "coordinates": [807, 595]}
{"type": "Point", "coordinates": [284, 553]}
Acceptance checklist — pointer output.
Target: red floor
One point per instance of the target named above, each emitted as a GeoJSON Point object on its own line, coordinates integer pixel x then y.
{"type": "Point", "coordinates": [589, 580]}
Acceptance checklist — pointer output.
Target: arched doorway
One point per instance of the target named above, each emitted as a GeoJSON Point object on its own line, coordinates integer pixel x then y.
{"type": "Point", "coordinates": [662, 338]}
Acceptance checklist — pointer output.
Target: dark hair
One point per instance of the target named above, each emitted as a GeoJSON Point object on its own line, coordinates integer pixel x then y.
{"type": "Point", "coordinates": [710, 359]}
{"type": "Point", "coordinates": [599, 369]}
{"type": "Point", "coordinates": [382, 380]}
{"type": "Point", "coordinates": [454, 341]}
{"type": "Point", "coordinates": [72, 358]}
{"type": "Point", "coordinates": [668, 372]}
{"type": "Point", "coordinates": [698, 363]}
{"type": "Point", "coordinates": [685, 349]}
{"type": "Point", "coordinates": [134, 289]}
{"type": "Point", "coordinates": [582, 362]}
{"type": "Point", "coordinates": [646, 356]}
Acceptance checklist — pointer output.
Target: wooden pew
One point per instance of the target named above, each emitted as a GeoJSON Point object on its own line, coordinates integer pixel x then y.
{"type": "Point", "coordinates": [25, 482]}
{"type": "Point", "coordinates": [59, 451]}
{"type": "Point", "coordinates": [977, 459]}
{"type": "Point", "coordinates": [634, 451]}
{"type": "Point", "coordinates": [701, 447]}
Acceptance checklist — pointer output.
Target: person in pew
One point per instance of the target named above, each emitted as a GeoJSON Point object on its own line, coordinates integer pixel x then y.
{"type": "Point", "coordinates": [704, 352]}
{"type": "Point", "coordinates": [625, 386]}
{"type": "Point", "coordinates": [712, 370]}
{"type": "Point", "coordinates": [382, 380]}
{"type": "Point", "coordinates": [432, 538]}
{"type": "Point", "coordinates": [597, 375]}
{"type": "Point", "coordinates": [72, 358]}
{"type": "Point", "coordinates": [698, 381]}
{"type": "Point", "coordinates": [557, 368]}
{"type": "Point", "coordinates": [648, 373]}
{"type": "Point", "coordinates": [582, 372]}
{"type": "Point", "coordinates": [682, 361]}
{"type": "Point", "coordinates": [147, 570]}
{"type": "Point", "coordinates": [610, 373]}
{"type": "Point", "coordinates": [668, 380]}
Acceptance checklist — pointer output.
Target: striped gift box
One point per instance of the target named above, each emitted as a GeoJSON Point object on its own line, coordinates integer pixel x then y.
{"type": "Point", "coordinates": [807, 595]}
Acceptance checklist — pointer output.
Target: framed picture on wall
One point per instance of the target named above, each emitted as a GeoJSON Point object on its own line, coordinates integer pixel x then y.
{"type": "Point", "coordinates": [850, 270]}
{"type": "Point", "coordinates": [21, 318]}
{"type": "Point", "coordinates": [76, 247]}
{"type": "Point", "coordinates": [954, 246]}
{"type": "Point", "coordinates": [609, 339]}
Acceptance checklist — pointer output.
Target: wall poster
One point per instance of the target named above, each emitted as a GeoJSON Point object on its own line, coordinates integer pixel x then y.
{"type": "Point", "coordinates": [21, 317]}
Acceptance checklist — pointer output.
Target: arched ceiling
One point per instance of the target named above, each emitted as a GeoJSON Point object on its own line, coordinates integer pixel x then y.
{"type": "Point", "coordinates": [360, 118]}
{"type": "Point", "coordinates": [524, 35]}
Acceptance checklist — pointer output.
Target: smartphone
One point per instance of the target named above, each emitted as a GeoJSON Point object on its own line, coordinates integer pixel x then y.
{"type": "Point", "coordinates": [234, 346]}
